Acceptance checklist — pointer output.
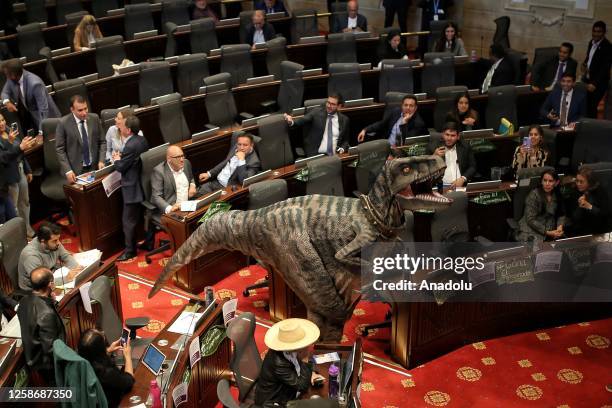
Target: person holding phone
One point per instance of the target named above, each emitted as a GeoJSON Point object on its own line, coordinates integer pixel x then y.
{"type": "Point", "coordinates": [241, 162]}
{"type": "Point", "coordinates": [533, 152]}
{"type": "Point", "coordinates": [459, 157]}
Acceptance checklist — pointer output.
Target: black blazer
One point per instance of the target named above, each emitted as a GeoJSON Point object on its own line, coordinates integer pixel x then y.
{"type": "Point", "coordinates": [250, 168]}
{"type": "Point", "coordinates": [577, 108]}
{"type": "Point", "coordinates": [595, 221]}
{"type": "Point", "coordinates": [599, 72]}
{"type": "Point", "coordinates": [11, 168]}
{"type": "Point", "coordinates": [504, 74]}
{"type": "Point", "coordinates": [341, 22]}
{"type": "Point", "coordinates": [268, 32]}
{"type": "Point", "coordinates": [317, 118]}
{"type": "Point", "coordinates": [544, 74]}
{"type": "Point", "coordinates": [465, 157]}
{"type": "Point", "coordinates": [130, 167]}
{"type": "Point", "coordinates": [414, 127]}
{"type": "Point", "coordinates": [278, 381]}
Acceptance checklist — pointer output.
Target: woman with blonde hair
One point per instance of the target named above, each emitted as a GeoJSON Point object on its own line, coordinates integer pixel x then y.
{"type": "Point", "coordinates": [86, 33]}
{"type": "Point", "coordinates": [114, 140]}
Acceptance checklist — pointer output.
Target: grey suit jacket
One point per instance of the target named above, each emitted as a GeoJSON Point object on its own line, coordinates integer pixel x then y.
{"type": "Point", "coordinates": [163, 186]}
{"type": "Point", "coordinates": [69, 144]}
{"type": "Point", "coordinates": [39, 102]}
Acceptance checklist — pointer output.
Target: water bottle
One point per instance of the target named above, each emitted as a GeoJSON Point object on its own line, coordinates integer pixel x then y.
{"type": "Point", "coordinates": [473, 56]}
{"type": "Point", "coordinates": [333, 381]}
{"type": "Point", "coordinates": [154, 398]}
{"type": "Point", "coordinates": [209, 295]}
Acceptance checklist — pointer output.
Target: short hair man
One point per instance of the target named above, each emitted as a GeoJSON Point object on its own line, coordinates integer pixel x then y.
{"type": "Point", "coordinates": [241, 162]}
{"type": "Point", "coordinates": [79, 140]}
{"type": "Point", "coordinates": [129, 165]}
{"type": "Point", "coordinates": [548, 73]}
{"type": "Point", "coordinates": [596, 67]}
{"type": "Point", "coordinates": [459, 157]}
{"type": "Point", "coordinates": [501, 72]}
{"type": "Point", "coordinates": [45, 251]}
{"type": "Point", "coordinates": [323, 124]}
{"type": "Point", "coordinates": [40, 324]}
{"type": "Point", "coordinates": [397, 124]}
{"type": "Point", "coordinates": [26, 94]}
{"type": "Point", "coordinates": [565, 104]}
{"type": "Point", "coordinates": [351, 21]}
{"type": "Point", "coordinates": [259, 31]}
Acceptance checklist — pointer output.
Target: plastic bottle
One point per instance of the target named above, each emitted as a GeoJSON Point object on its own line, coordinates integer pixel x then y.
{"type": "Point", "coordinates": [333, 381]}
{"type": "Point", "coordinates": [154, 398]}
{"type": "Point", "coordinates": [473, 56]}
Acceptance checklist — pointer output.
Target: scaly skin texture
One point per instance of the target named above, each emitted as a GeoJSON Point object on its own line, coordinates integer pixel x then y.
{"type": "Point", "coordinates": [314, 241]}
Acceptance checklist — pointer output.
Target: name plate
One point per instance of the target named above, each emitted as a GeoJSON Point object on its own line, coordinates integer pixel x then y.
{"type": "Point", "coordinates": [461, 59]}
{"type": "Point", "coordinates": [172, 60]}
{"type": "Point", "coordinates": [183, 28]}
{"type": "Point", "coordinates": [302, 162]}
{"type": "Point", "coordinates": [228, 21]}
{"type": "Point", "coordinates": [253, 121]}
{"type": "Point", "coordinates": [127, 69]}
{"type": "Point", "coordinates": [90, 77]}
{"type": "Point", "coordinates": [475, 134]}
{"type": "Point", "coordinates": [145, 34]}
{"type": "Point", "coordinates": [421, 96]}
{"type": "Point", "coordinates": [98, 174]}
{"type": "Point", "coordinates": [473, 92]}
{"type": "Point", "coordinates": [115, 12]}
{"type": "Point", "coordinates": [258, 177]}
{"type": "Point", "coordinates": [19, 7]}
{"type": "Point", "coordinates": [312, 72]}
{"type": "Point", "coordinates": [214, 52]}
{"type": "Point", "coordinates": [365, 66]}
{"type": "Point", "coordinates": [207, 134]}
{"type": "Point", "coordinates": [298, 111]}
{"type": "Point", "coordinates": [155, 101]}
{"type": "Point", "coordinates": [260, 46]}
{"type": "Point", "coordinates": [260, 80]}
{"type": "Point", "coordinates": [275, 16]}
{"type": "Point", "coordinates": [317, 39]}
{"type": "Point", "coordinates": [362, 34]}
{"type": "Point", "coordinates": [352, 103]}
{"type": "Point", "coordinates": [60, 51]}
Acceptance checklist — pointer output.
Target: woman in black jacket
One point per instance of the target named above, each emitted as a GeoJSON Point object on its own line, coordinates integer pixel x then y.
{"type": "Point", "coordinates": [462, 113]}
{"type": "Point", "coordinates": [391, 46]}
{"type": "Point", "coordinates": [590, 213]}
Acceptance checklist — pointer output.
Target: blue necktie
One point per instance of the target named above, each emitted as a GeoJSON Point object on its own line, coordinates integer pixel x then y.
{"type": "Point", "coordinates": [330, 136]}
{"type": "Point", "coordinates": [86, 157]}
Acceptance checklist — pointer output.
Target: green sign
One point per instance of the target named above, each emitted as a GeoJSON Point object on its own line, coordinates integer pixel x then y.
{"type": "Point", "coordinates": [214, 208]}
{"type": "Point", "coordinates": [491, 197]}
{"type": "Point", "coordinates": [481, 145]}
{"type": "Point", "coordinates": [416, 149]}
{"type": "Point", "coordinates": [210, 341]}
{"type": "Point", "coordinates": [516, 270]}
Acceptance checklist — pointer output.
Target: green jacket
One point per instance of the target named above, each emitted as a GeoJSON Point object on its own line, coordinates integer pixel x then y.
{"type": "Point", "coordinates": [73, 371]}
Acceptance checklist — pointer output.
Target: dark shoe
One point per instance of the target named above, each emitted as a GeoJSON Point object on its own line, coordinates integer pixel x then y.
{"type": "Point", "coordinates": [126, 256]}
{"type": "Point", "coordinates": [146, 246]}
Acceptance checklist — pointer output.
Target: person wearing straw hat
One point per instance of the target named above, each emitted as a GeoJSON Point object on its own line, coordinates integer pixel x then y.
{"type": "Point", "coordinates": [285, 372]}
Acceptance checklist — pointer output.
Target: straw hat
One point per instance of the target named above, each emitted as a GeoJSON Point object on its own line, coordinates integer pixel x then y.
{"type": "Point", "coordinates": [292, 334]}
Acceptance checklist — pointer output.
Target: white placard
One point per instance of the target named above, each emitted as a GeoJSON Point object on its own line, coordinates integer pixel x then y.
{"type": "Point", "coordinates": [548, 261]}
{"type": "Point", "coordinates": [189, 205]}
{"type": "Point", "coordinates": [603, 253]}
{"type": "Point", "coordinates": [185, 323]}
{"type": "Point", "coordinates": [84, 289]}
{"type": "Point", "coordinates": [111, 183]}
{"type": "Point", "coordinates": [194, 351]}
{"type": "Point", "coordinates": [179, 394]}
{"type": "Point", "coordinates": [229, 310]}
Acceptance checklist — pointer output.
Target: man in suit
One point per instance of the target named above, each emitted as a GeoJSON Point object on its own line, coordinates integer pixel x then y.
{"type": "Point", "coordinates": [548, 73]}
{"type": "Point", "coordinates": [501, 71]}
{"type": "Point", "coordinates": [242, 162]}
{"type": "Point", "coordinates": [271, 6]}
{"type": "Point", "coordinates": [79, 140]}
{"type": "Point", "coordinates": [398, 123]}
{"type": "Point", "coordinates": [565, 104]}
{"type": "Point", "coordinates": [596, 67]}
{"type": "Point", "coordinates": [128, 164]}
{"type": "Point", "coordinates": [26, 94]}
{"type": "Point", "coordinates": [40, 324]}
{"type": "Point", "coordinates": [351, 21]}
{"type": "Point", "coordinates": [329, 128]}
{"type": "Point", "coordinates": [259, 31]}
{"type": "Point", "coordinates": [459, 157]}
{"type": "Point", "coordinates": [396, 6]}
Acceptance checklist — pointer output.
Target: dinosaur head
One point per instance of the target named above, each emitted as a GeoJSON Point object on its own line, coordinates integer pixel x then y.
{"type": "Point", "coordinates": [412, 181]}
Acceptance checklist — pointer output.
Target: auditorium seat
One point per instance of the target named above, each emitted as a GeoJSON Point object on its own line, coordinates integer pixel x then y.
{"type": "Point", "coordinates": [304, 23]}
{"type": "Point", "coordinates": [274, 148]}
{"type": "Point", "coordinates": [100, 7]}
{"type": "Point", "coordinates": [107, 116]}
{"type": "Point", "coordinates": [172, 123]}
{"type": "Point", "coordinates": [290, 91]}
{"type": "Point", "coordinates": [30, 41]}
{"type": "Point", "coordinates": [155, 80]}
{"type": "Point", "coordinates": [51, 75]}
{"type": "Point", "coordinates": [345, 79]}
{"type": "Point", "coordinates": [501, 104]}
{"type": "Point", "coordinates": [109, 51]}
{"type": "Point", "coordinates": [64, 90]}
{"type": "Point", "coordinates": [527, 179]}
{"type": "Point", "coordinates": [276, 55]}
{"type": "Point", "coordinates": [64, 7]}
{"type": "Point", "coordinates": [203, 36]}
{"type": "Point", "coordinates": [12, 241]}
{"type": "Point", "coordinates": [436, 27]}
{"type": "Point", "coordinates": [245, 18]}
{"type": "Point", "coordinates": [325, 176]}
{"type": "Point", "coordinates": [220, 103]}
{"type": "Point", "coordinates": [439, 71]}
{"type": "Point", "coordinates": [395, 76]}
{"type": "Point", "coordinates": [236, 60]}
{"type": "Point", "coordinates": [52, 186]}
{"type": "Point", "coordinates": [138, 18]}
{"type": "Point", "coordinates": [36, 11]}
{"type": "Point", "coordinates": [191, 71]}
{"type": "Point", "coordinates": [341, 48]}
{"type": "Point", "coordinates": [593, 143]}
{"type": "Point", "coordinates": [175, 11]}
{"type": "Point", "coordinates": [371, 157]}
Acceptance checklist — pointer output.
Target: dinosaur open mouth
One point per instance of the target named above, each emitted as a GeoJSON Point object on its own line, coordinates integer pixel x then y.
{"type": "Point", "coordinates": [422, 189]}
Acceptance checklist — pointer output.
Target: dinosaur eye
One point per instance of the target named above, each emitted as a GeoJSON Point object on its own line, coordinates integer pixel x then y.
{"type": "Point", "coordinates": [406, 170]}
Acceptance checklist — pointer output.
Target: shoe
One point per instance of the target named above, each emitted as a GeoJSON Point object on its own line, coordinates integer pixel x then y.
{"type": "Point", "coordinates": [146, 246]}
{"type": "Point", "coordinates": [126, 256]}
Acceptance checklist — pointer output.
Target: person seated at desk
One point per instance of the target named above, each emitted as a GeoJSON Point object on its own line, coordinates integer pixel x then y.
{"type": "Point", "coordinates": [532, 152]}
{"type": "Point", "coordinates": [565, 105]}
{"type": "Point", "coordinates": [589, 208]}
{"type": "Point", "coordinates": [501, 71]}
{"type": "Point", "coordinates": [40, 324]}
{"type": "Point", "coordinates": [462, 113]}
{"type": "Point", "coordinates": [79, 140]}
{"type": "Point", "coordinates": [548, 73]}
{"type": "Point", "coordinates": [449, 41]}
{"type": "Point", "coordinates": [392, 47]}
{"type": "Point", "coordinates": [241, 162]}
{"type": "Point", "coordinates": [114, 137]}
{"type": "Point", "coordinates": [45, 251]}
{"type": "Point", "coordinates": [351, 21]}
{"type": "Point", "coordinates": [271, 6]}
{"type": "Point", "coordinates": [323, 124]}
{"type": "Point", "coordinates": [398, 124]}
{"type": "Point", "coordinates": [86, 33]}
{"type": "Point", "coordinates": [285, 373]}
{"type": "Point", "coordinates": [544, 215]}
{"type": "Point", "coordinates": [459, 157]}
{"type": "Point", "coordinates": [259, 31]}
{"type": "Point", "coordinates": [115, 382]}
{"type": "Point", "coordinates": [200, 9]}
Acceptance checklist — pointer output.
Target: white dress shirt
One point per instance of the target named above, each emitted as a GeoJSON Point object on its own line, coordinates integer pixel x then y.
{"type": "Point", "coordinates": [594, 47]}
{"type": "Point", "coordinates": [452, 171]}
{"type": "Point", "coordinates": [182, 187]}
{"type": "Point", "coordinates": [258, 37]}
{"type": "Point", "coordinates": [228, 170]}
{"type": "Point", "coordinates": [335, 134]}
{"type": "Point", "coordinates": [352, 23]}
{"type": "Point", "coordinates": [487, 81]}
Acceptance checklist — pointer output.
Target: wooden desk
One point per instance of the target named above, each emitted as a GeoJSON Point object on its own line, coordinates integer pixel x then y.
{"type": "Point", "coordinates": [202, 391]}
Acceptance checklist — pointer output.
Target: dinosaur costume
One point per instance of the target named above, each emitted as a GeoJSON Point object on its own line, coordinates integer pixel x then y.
{"type": "Point", "coordinates": [314, 241]}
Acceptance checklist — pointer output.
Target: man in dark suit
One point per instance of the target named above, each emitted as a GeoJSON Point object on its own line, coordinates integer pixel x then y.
{"type": "Point", "coordinates": [128, 164]}
{"type": "Point", "coordinates": [459, 157]}
{"type": "Point", "coordinates": [79, 140]}
{"type": "Point", "coordinates": [398, 124]}
{"type": "Point", "coordinates": [271, 6]}
{"type": "Point", "coordinates": [242, 162]}
{"type": "Point", "coordinates": [396, 6]}
{"type": "Point", "coordinates": [596, 67]}
{"type": "Point", "coordinates": [501, 71]}
{"type": "Point", "coordinates": [26, 94]}
{"type": "Point", "coordinates": [260, 30]}
{"type": "Point", "coordinates": [323, 124]}
{"type": "Point", "coordinates": [548, 73]}
{"type": "Point", "coordinates": [350, 21]}
{"type": "Point", "coordinates": [565, 104]}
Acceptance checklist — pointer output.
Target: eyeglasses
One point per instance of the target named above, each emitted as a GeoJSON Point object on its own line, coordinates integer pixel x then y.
{"type": "Point", "coordinates": [181, 156]}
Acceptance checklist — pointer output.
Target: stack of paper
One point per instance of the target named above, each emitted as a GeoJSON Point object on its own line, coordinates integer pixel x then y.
{"type": "Point", "coordinates": [88, 257]}
{"type": "Point", "coordinates": [185, 323]}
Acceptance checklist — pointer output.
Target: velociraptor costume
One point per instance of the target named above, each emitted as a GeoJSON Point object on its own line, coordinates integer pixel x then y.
{"type": "Point", "coordinates": [314, 241]}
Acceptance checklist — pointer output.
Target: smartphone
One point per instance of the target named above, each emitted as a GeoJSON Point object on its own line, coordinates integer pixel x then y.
{"type": "Point", "coordinates": [14, 127]}
{"type": "Point", "coordinates": [527, 142]}
{"type": "Point", "coordinates": [125, 334]}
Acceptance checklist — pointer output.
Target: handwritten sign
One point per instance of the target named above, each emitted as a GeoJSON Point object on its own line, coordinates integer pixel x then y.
{"type": "Point", "coordinates": [514, 270]}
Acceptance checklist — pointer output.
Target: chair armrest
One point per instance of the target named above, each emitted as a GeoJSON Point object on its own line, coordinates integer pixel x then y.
{"type": "Point", "coordinates": [209, 126]}
{"type": "Point", "coordinates": [269, 105]}
{"type": "Point", "coordinates": [245, 116]}
{"type": "Point", "coordinates": [170, 27]}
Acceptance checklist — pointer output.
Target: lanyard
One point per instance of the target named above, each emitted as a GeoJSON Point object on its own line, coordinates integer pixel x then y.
{"type": "Point", "coordinates": [436, 5]}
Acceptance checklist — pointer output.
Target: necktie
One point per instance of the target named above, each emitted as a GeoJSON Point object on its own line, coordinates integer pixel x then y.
{"type": "Point", "coordinates": [560, 71]}
{"type": "Point", "coordinates": [86, 157]}
{"type": "Point", "coordinates": [330, 136]}
{"type": "Point", "coordinates": [564, 110]}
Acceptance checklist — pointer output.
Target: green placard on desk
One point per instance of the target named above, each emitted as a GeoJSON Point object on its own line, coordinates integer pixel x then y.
{"type": "Point", "coordinates": [214, 208]}
{"type": "Point", "coordinates": [302, 175]}
{"type": "Point", "coordinates": [416, 149]}
{"type": "Point", "coordinates": [516, 270]}
{"type": "Point", "coordinates": [481, 145]}
{"type": "Point", "coordinates": [186, 375]}
{"type": "Point", "coordinates": [491, 197]}
{"type": "Point", "coordinates": [211, 340]}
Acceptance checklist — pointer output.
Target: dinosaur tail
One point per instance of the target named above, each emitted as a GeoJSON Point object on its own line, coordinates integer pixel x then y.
{"type": "Point", "coordinates": [222, 231]}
